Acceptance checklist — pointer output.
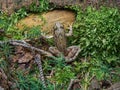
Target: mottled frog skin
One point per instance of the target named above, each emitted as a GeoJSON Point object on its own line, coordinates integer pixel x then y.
{"type": "Point", "coordinates": [59, 37]}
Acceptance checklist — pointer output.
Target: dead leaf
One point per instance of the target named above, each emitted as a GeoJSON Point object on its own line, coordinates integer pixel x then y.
{"type": "Point", "coordinates": [26, 58]}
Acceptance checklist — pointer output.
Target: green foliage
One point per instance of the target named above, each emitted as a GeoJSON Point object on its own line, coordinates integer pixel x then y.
{"type": "Point", "coordinates": [63, 75]}
{"type": "Point", "coordinates": [94, 67]}
{"type": "Point", "coordinates": [98, 32]}
{"type": "Point", "coordinates": [42, 6]}
{"type": "Point", "coordinates": [5, 50]}
{"type": "Point", "coordinates": [33, 32]}
{"type": "Point", "coordinates": [13, 19]}
{"type": "Point", "coordinates": [8, 23]}
{"type": "Point", "coordinates": [116, 77]}
{"type": "Point", "coordinates": [63, 72]}
{"type": "Point", "coordinates": [27, 82]}
{"type": "Point", "coordinates": [59, 61]}
{"type": "Point", "coordinates": [3, 64]}
{"type": "Point", "coordinates": [3, 20]}
{"type": "Point", "coordinates": [12, 30]}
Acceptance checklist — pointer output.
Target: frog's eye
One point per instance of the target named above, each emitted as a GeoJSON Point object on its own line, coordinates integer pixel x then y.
{"type": "Point", "coordinates": [61, 26]}
{"type": "Point", "coordinates": [55, 27]}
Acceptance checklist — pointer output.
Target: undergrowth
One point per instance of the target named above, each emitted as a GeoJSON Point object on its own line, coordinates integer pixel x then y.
{"type": "Point", "coordinates": [43, 5]}
{"type": "Point", "coordinates": [97, 32]}
{"type": "Point", "coordinates": [8, 23]}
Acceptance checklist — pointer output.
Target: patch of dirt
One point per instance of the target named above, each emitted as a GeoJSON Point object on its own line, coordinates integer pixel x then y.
{"type": "Point", "coordinates": [47, 20]}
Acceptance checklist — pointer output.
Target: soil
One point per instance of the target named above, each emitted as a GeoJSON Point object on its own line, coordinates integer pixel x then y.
{"type": "Point", "coordinates": [47, 20]}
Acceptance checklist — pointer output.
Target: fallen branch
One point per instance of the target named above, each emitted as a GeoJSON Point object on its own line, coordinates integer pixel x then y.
{"type": "Point", "coordinates": [18, 41]}
{"type": "Point", "coordinates": [26, 45]}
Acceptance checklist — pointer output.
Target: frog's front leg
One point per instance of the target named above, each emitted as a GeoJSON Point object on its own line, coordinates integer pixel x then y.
{"type": "Point", "coordinates": [70, 33]}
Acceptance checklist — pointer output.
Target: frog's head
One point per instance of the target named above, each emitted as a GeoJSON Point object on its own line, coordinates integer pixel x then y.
{"type": "Point", "coordinates": [58, 26]}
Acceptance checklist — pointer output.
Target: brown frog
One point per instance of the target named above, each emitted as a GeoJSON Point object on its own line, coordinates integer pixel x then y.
{"type": "Point", "coordinates": [59, 37]}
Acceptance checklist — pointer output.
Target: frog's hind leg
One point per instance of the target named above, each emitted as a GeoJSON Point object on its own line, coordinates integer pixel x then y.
{"type": "Point", "coordinates": [72, 54]}
{"type": "Point", "coordinates": [54, 51]}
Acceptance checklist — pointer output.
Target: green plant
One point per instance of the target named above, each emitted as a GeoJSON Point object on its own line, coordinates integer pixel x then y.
{"type": "Point", "coordinates": [89, 69]}
{"type": "Point", "coordinates": [8, 23]}
{"type": "Point", "coordinates": [63, 72]}
{"type": "Point", "coordinates": [3, 64]}
{"type": "Point", "coordinates": [33, 32]}
{"type": "Point", "coordinates": [27, 82]}
{"type": "Point", "coordinates": [63, 75]}
{"type": "Point", "coordinates": [5, 50]}
{"type": "Point", "coordinates": [13, 19]}
{"type": "Point", "coordinates": [3, 20]}
{"type": "Point", "coordinates": [42, 6]}
{"type": "Point", "coordinates": [21, 13]}
{"type": "Point", "coordinates": [98, 32]}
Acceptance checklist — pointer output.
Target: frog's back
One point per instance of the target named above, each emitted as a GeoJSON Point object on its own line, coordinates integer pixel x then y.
{"type": "Point", "coordinates": [59, 37]}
